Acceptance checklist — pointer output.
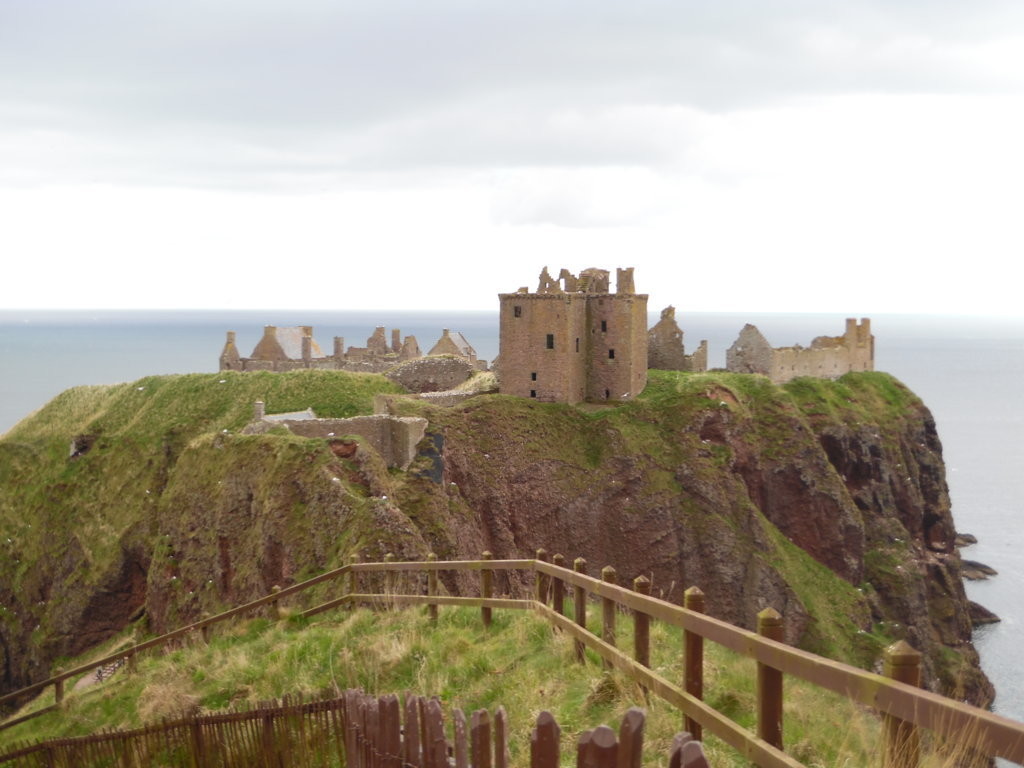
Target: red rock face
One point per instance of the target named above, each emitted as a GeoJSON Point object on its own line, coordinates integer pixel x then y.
{"type": "Point", "coordinates": [704, 515]}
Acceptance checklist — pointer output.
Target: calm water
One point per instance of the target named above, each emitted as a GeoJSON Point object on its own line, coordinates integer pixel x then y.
{"type": "Point", "coordinates": [966, 369]}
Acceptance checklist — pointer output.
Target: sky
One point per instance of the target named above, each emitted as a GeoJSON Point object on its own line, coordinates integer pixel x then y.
{"type": "Point", "coordinates": [850, 156]}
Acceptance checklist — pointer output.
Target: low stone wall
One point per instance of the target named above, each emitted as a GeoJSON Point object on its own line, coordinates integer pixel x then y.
{"type": "Point", "coordinates": [432, 374]}
{"type": "Point", "coordinates": [393, 437]}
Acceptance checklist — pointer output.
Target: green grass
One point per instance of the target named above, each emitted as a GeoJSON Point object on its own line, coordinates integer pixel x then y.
{"type": "Point", "coordinates": [520, 663]}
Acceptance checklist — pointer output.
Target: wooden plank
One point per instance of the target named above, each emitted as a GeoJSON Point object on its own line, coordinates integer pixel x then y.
{"type": "Point", "coordinates": [480, 739]}
{"type": "Point", "coordinates": [435, 747]}
{"type": "Point", "coordinates": [445, 565]}
{"type": "Point", "coordinates": [544, 742]}
{"type": "Point", "coordinates": [471, 602]}
{"type": "Point", "coordinates": [631, 739]}
{"type": "Point", "coordinates": [461, 736]}
{"type": "Point", "coordinates": [412, 754]}
{"type": "Point", "coordinates": [501, 755]}
{"type": "Point", "coordinates": [598, 749]}
{"type": "Point", "coordinates": [390, 731]}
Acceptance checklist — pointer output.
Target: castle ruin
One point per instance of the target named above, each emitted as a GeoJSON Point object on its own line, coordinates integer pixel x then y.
{"type": "Point", "coordinates": [293, 348]}
{"type": "Point", "coordinates": [665, 350]}
{"type": "Point", "coordinates": [573, 339]}
{"type": "Point", "coordinates": [828, 357]}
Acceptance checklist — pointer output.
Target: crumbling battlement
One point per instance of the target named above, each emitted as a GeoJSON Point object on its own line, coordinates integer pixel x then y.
{"type": "Point", "coordinates": [828, 357]}
{"type": "Point", "coordinates": [573, 339]}
{"type": "Point", "coordinates": [393, 437]}
{"type": "Point", "coordinates": [665, 350]}
{"type": "Point", "coordinates": [293, 348]}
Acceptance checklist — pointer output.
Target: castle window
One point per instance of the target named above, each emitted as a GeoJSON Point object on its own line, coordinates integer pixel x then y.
{"type": "Point", "coordinates": [611, 354]}
{"type": "Point", "coordinates": [517, 311]}
{"type": "Point", "coordinates": [577, 344]}
{"type": "Point", "coordinates": [607, 394]}
{"type": "Point", "coordinates": [551, 341]}
{"type": "Point", "coordinates": [604, 326]}
{"type": "Point", "coordinates": [533, 393]}
{"type": "Point", "coordinates": [533, 376]}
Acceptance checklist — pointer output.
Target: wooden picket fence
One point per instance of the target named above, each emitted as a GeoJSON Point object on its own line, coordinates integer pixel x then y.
{"type": "Point", "coordinates": [355, 730]}
{"type": "Point", "coordinates": [903, 706]}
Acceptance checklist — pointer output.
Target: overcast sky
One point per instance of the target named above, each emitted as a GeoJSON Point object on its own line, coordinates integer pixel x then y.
{"type": "Point", "coordinates": [854, 157]}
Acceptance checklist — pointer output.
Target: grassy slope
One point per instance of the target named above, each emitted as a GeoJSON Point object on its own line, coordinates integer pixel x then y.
{"type": "Point", "coordinates": [520, 663]}
{"type": "Point", "coordinates": [67, 523]}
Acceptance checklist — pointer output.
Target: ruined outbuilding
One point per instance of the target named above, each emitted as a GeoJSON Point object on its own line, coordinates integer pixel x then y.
{"type": "Point", "coordinates": [393, 437]}
{"type": "Point", "coordinates": [828, 357]}
{"type": "Point", "coordinates": [293, 348]}
{"type": "Point", "coordinates": [665, 350]}
{"type": "Point", "coordinates": [573, 339]}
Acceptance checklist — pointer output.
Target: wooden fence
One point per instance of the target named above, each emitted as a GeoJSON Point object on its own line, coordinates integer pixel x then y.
{"type": "Point", "coordinates": [355, 730]}
{"type": "Point", "coordinates": [903, 706]}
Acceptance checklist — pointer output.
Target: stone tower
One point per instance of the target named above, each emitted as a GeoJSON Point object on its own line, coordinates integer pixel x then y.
{"type": "Point", "coordinates": [573, 339]}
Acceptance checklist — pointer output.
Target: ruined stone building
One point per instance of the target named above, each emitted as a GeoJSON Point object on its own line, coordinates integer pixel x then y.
{"type": "Point", "coordinates": [455, 344]}
{"type": "Point", "coordinates": [293, 348]}
{"type": "Point", "coordinates": [828, 356]}
{"type": "Point", "coordinates": [573, 339]}
{"type": "Point", "coordinates": [665, 350]}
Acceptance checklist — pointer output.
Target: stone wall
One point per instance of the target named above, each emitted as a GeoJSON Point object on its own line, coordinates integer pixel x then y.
{"type": "Point", "coordinates": [393, 437]}
{"type": "Point", "coordinates": [828, 357]}
{"type": "Point", "coordinates": [432, 374]}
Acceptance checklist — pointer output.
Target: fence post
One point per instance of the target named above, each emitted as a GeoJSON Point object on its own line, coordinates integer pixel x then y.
{"type": "Point", "coordinates": [275, 605]}
{"type": "Point", "coordinates": [501, 756]}
{"type": "Point", "coordinates": [558, 587]}
{"type": "Point", "coordinates": [608, 612]}
{"type": "Point", "coordinates": [353, 579]}
{"type": "Point", "coordinates": [544, 742]}
{"type": "Point", "coordinates": [579, 565]}
{"type": "Point", "coordinates": [631, 739]}
{"type": "Point", "coordinates": [902, 742]}
{"type": "Point", "coordinates": [541, 582]}
{"type": "Point", "coordinates": [390, 578]}
{"type": "Point", "coordinates": [58, 687]}
{"type": "Point", "coordinates": [642, 627]}
{"type": "Point", "coordinates": [485, 588]}
{"type": "Point", "coordinates": [432, 588]}
{"type": "Point", "coordinates": [693, 660]}
{"type": "Point", "coordinates": [480, 739]}
{"type": "Point", "coordinates": [769, 683]}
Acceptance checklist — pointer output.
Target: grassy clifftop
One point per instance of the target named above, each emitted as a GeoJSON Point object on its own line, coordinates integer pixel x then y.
{"type": "Point", "coordinates": [825, 500]}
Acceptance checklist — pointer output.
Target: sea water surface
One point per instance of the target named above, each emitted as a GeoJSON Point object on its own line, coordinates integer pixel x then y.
{"type": "Point", "coordinates": [966, 369]}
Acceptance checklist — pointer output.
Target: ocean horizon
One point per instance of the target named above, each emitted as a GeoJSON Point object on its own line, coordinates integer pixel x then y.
{"type": "Point", "coordinates": [965, 368]}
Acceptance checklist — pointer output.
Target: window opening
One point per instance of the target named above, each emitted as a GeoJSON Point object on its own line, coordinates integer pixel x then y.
{"type": "Point", "coordinates": [577, 345]}
{"type": "Point", "coordinates": [551, 341]}
{"type": "Point", "coordinates": [517, 311]}
{"type": "Point", "coordinates": [611, 354]}
{"type": "Point", "coordinates": [533, 393]}
{"type": "Point", "coordinates": [533, 376]}
{"type": "Point", "coordinates": [604, 326]}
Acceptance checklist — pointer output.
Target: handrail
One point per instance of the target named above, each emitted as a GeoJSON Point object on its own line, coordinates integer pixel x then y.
{"type": "Point", "coordinates": [989, 733]}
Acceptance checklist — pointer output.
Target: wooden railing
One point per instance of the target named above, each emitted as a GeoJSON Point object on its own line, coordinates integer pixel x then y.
{"type": "Point", "coordinates": [903, 706]}
{"type": "Point", "coordinates": [355, 730]}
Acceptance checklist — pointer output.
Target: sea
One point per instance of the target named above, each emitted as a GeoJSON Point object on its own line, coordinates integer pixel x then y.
{"type": "Point", "coordinates": [967, 369]}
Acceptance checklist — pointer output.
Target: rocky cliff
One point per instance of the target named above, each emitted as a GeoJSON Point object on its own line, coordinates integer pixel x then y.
{"type": "Point", "coordinates": [824, 500]}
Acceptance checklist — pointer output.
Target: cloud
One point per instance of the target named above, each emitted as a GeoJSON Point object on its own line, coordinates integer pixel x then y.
{"type": "Point", "coordinates": [272, 93]}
